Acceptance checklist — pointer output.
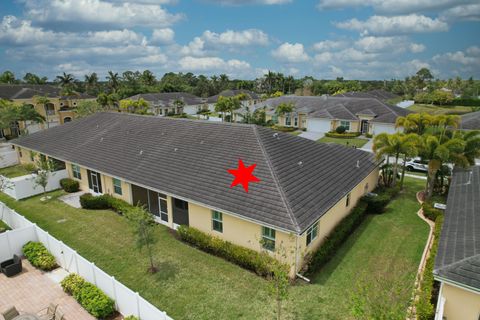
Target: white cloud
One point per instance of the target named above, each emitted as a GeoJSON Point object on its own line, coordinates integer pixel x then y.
{"type": "Point", "coordinates": [327, 45]}
{"type": "Point", "coordinates": [192, 64]}
{"type": "Point", "coordinates": [470, 12]}
{"type": "Point", "coordinates": [89, 13]}
{"type": "Point", "coordinates": [471, 57]}
{"type": "Point", "coordinates": [381, 25]}
{"type": "Point", "coordinates": [21, 32]}
{"type": "Point", "coordinates": [289, 52]}
{"type": "Point", "coordinates": [395, 44]}
{"type": "Point", "coordinates": [236, 38]}
{"type": "Point", "coordinates": [394, 6]}
{"type": "Point", "coordinates": [162, 36]}
{"type": "Point", "coordinates": [246, 2]}
{"type": "Point", "coordinates": [417, 47]}
{"type": "Point", "coordinates": [194, 48]}
{"type": "Point", "coordinates": [324, 57]}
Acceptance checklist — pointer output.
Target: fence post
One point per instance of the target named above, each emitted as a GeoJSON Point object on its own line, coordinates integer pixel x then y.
{"type": "Point", "coordinates": [63, 255]}
{"type": "Point", "coordinates": [48, 241]}
{"type": "Point", "coordinates": [114, 292]}
{"type": "Point", "coordinates": [138, 304]}
{"type": "Point", "coordinates": [8, 242]}
{"type": "Point", "coordinates": [93, 270]}
{"type": "Point", "coordinates": [35, 227]}
{"type": "Point", "coordinates": [76, 261]}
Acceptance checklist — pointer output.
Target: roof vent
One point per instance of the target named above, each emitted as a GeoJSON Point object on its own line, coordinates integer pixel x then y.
{"type": "Point", "coordinates": [175, 149]}
{"type": "Point", "coordinates": [358, 163]}
{"type": "Point", "coordinates": [98, 126]}
{"type": "Point", "coordinates": [141, 152]}
{"type": "Point", "coordinates": [101, 139]}
{"type": "Point", "coordinates": [300, 163]}
{"type": "Point", "coordinates": [275, 135]}
{"type": "Point", "coordinates": [201, 142]}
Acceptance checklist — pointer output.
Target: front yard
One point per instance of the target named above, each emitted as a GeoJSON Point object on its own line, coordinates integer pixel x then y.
{"type": "Point", "coordinates": [194, 285]}
{"type": "Point", "coordinates": [357, 142]}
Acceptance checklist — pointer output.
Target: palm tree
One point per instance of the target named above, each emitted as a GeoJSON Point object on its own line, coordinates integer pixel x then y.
{"type": "Point", "coordinates": [66, 80]}
{"type": "Point", "coordinates": [472, 145]}
{"type": "Point", "coordinates": [26, 113]}
{"type": "Point", "coordinates": [222, 106]}
{"type": "Point", "coordinates": [113, 80]}
{"type": "Point", "coordinates": [91, 82]}
{"type": "Point", "coordinates": [415, 122]}
{"type": "Point", "coordinates": [43, 100]}
{"type": "Point", "coordinates": [408, 143]}
{"type": "Point", "coordinates": [148, 78]}
{"type": "Point", "coordinates": [443, 122]}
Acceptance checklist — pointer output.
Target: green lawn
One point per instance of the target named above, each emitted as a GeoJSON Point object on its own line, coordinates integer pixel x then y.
{"type": "Point", "coordinates": [436, 110]}
{"type": "Point", "coordinates": [296, 133]}
{"type": "Point", "coordinates": [3, 226]}
{"type": "Point", "coordinates": [195, 285]}
{"type": "Point", "coordinates": [358, 142]}
{"type": "Point", "coordinates": [14, 171]}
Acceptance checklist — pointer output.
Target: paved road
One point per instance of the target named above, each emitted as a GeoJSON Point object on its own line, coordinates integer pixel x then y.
{"type": "Point", "coordinates": [8, 156]}
{"type": "Point", "coordinates": [311, 135]}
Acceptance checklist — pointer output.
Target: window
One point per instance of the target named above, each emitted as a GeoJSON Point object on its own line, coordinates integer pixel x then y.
{"type": "Point", "coordinates": [217, 221]}
{"type": "Point", "coordinates": [348, 200]}
{"type": "Point", "coordinates": [275, 118]}
{"type": "Point", "coordinates": [268, 238]}
{"type": "Point", "coordinates": [162, 203]}
{"type": "Point", "coordinates": [345, 124]}
{"type": "Point", "coordinates": [295, 121]}
{"type": "Point", "coordinates": [76, 171]}
{"type": "Point", "coordinates": [117, 186]}
{"type": "Point", "coordinates": [312, 233]}
{"type": "Point", "coordinates": [288, 119]}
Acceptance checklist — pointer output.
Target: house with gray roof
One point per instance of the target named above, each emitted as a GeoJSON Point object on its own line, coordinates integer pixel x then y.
{"type": "Point", "coordinates": [164, 103]}
{"type": "Point", "coordinates": [457, 264]}
{"type": "Point", "coordinates": [379, 94]}
{"type": "Point", "coordinates": [178, 169]}
{"type": "Point", "coordinates": [326, 113]}
{"type": "Point", "coordinates": [470, 121]}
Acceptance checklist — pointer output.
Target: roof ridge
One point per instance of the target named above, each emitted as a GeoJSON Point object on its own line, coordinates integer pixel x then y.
{"type": "Point", "coordinates": [275, 179]}
{"type": "Point", "coordinates": [450, 265]}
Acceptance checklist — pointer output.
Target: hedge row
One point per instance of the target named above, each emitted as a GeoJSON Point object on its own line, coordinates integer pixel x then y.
{"type": "Point", "coordinates": [284, 129]}
{"type": "Point", "coordinates": [424, 305]}
{"type": "Point", "coordinates": [466, 102]}
{"type": "Point", "coordinates": [430, 212]}
{"type": "Point", "coordinates": [39, 256]}
{"type": "Point", "coordinates": [259, 262]}
{"type": "Point", "coordinates": [103, 202]}
{"type": "Point", "coordinates": [91, 298]}
{"type": "Point", "coordinates": [346, 135]}
{"type": "Point", "coordinates": [377, 204]}
{"type": "Point", "coordinates": [341, 232]}
{"type": "Point", "coordinates": [69, 185]}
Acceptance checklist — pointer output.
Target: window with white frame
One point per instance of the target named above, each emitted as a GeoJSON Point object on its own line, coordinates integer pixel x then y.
{"type": "Point", "coordinates": [162, 204]}
{"type": "Point", "coordinates": [345, 124]}
{"type": "Point", "coordinates": [288, 119]}
{"type": "Point", "coordinates": [76, 172]}
{"type": "Point", "coordinates": [117, 186]}
{"type": "Point", "coordinates": [268, 238]}
{"type": "Point", "coordinates": [217, 221]}
{"type": "Point", "coordinates": [295, 121]}
{"type": "Point", "coordinates": [312, 233]}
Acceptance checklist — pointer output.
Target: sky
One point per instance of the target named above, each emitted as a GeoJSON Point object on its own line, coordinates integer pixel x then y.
{"type": "Point", "coordinates": [354, 39]}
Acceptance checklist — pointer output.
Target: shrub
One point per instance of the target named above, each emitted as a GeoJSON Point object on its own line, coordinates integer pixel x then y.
{"type": "Point", "coordinates": [91, 298]}
{"type": "Point", "coordinates": [89, 201]}
{"type": "Point", "coordinates": [30, 167]}
{"type": "Point", "coordinates": [332, 242]}
{"type": "Point", "coordinates": [284, 129]}
{"type": "Point", "coordinates": [131, 318]}
{"type": "Point", "coordinates": [430, 212]}
{"type": "Point", "coordinates": [376, 204]}
{"type": "Point", "coordinates": [340, 130]}
{"type": "Point", "coordinates": [70, 185]}
{"type": "Point", "coordinates": [39, 256]}
{"type": "Point", "coordinates": [258, 262]}
{"type": "Point", "coordinates": [424, 306]}
{"type": "Point", "coordinates": [369, 135]}
{"type": "Point", "coordinates": [346, 135]}
{"type": "Point", "coordinates": [118, 205]}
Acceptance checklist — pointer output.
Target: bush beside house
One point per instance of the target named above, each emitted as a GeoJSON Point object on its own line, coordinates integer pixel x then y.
{"type": "Point", "coordinates": [345, 135]}
{"type": "Point", "coordinates": [39, 256]}
{"type": "Point", "coordinates": [104, 202]}
{"type": "Point", "coordinates": [91, 298]}
{"type": "Point", "coordinates": [69, 185]}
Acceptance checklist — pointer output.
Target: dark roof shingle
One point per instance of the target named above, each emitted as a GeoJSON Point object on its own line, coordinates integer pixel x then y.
{"type": "Point", "coordinates": [300, 179]}
{"type": "Point", "coordinates": [470, 121]}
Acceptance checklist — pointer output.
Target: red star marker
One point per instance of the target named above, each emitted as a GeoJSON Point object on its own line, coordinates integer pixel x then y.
{"type": "Point", "coordinates": [243, 175]}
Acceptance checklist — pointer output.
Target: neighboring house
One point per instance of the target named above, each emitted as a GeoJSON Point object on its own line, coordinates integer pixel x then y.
{"type": "Point", "coordinates": [59, 110]}
{"type": "Point", "coordinates": [378, 94]}
{"type": "Point", "coordinates": [164, 103]}
{"type": "Point", "coordinates": [457, 264]}
{"type": "Point", "coordinates": [247, 105]}
{"type": "Point", "coordinates": [325, 113]}
{"type": "Point", "coordinates": [177, 168]}
{"type": "Point", "coordinates": [470, 121]}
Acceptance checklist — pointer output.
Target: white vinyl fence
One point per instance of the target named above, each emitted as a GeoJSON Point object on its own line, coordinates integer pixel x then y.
{"type": "Point", "coordinates": [11, 242]}
{"type": "Point", "coordinates": [24, 186]}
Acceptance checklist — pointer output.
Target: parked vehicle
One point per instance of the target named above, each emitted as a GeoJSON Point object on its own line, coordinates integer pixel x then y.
{"type": "Point", "coordinates": [417, 165]}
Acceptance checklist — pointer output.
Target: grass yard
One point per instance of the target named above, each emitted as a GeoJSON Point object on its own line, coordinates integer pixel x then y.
{"type": "Point", "coordinates": [14, 171]}
{"type": "Point", "coordinates": [358, 142]}
{"type": "Point", "coordinates": [3, 227]}
{"type": "Point", "coordinates": [296, 133]}
{"type": "Point", "coordinates": [195, 285]}
{"type": "Point", "coordinates": [436, 110]}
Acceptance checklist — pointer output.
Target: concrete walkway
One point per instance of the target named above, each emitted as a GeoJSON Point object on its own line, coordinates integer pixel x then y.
{"type": "Point", "coordinates": [368, 146]}
{"type": "Point", "coordinates": [32, 290]}
{"type": "Point", "coordinates": [72, 199]}
{"type": "Point", "coordinates": [311, 135]}
{"type": "Point", "coordinates": [8, 156]}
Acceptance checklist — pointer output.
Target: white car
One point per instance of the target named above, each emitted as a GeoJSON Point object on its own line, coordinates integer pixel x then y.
{"type": "Point", "coordinates": [417, 165]}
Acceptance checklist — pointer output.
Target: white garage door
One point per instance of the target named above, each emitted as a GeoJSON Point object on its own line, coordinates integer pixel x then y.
{"type": "Point", "coordinates": [318, 125]}
{"type": "Point", "coordinates": [383, 128]}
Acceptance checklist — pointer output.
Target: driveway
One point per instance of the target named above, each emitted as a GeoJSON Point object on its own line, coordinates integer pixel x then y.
{"type": "Point", "coordinates": [8, 156]}
{"type": "Point", "coordinates": [311, 135]}
{"type": "Point", "coordinates": [368, 146]}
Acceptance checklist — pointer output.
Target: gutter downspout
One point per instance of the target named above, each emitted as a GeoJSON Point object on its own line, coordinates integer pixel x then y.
{"type": "Point", "coordinates": [296, 262]}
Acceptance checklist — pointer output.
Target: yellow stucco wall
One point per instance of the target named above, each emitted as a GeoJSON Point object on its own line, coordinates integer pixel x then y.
{"type": "Point", "coordinates": [460, 304]}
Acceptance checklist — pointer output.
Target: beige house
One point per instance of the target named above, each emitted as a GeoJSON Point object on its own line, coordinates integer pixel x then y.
{"type": "Point", "coordinates": [324, 114]}
{"type": "Point", "coordinates": [177, 168]}
{"type": "Point", "coordinates": [59, 109]}
{"type": "Point", "coordinates": [457, 264]}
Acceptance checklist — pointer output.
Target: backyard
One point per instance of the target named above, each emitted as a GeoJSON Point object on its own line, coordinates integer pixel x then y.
{"type": "Point", "coordinates": [357, 142]}
{"type": "Point", "coordinates": [14, 171]}
{"type": "Point", "coordinates": [436, 110]}
{"type": "Point", "coordinates": [191, 284]}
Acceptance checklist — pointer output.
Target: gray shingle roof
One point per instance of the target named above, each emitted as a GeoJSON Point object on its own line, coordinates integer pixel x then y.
{"type": "Point", "coordinates": [27, 91]}
{"type": "Point", "coordinates": [470, 121]}
{"type": "Point", "coordinates": [458, 256]}
{"type": "Point", "coordinates": [167, 98]}
{"type": "Point", "coordinates": [379, 94]}
{"type": "Point", "coordinates": [300, 179]}
{"type": "Point", "coordinates": [343, 108]}
{"type": "Point", "coordinates": [232, 93]}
